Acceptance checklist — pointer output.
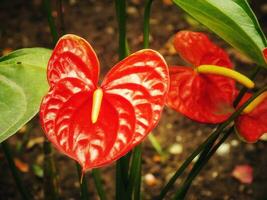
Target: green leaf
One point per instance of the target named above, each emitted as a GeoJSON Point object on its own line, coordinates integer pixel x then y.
{"type": "Point", "coordinates": [232, 20]}
{"type": "Point", "coordinates": [22, 86]}
{"type": "Point", "coordinates": [38, 170]}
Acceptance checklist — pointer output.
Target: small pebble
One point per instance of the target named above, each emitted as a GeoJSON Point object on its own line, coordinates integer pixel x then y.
{"type": "Point", "coordinates": [206, 193]}
{"type": "Point", "coordinates": [169, 27]}
{"type": "Point", "coordinates": [76, 184]}
{"type": "Point", "coordinates": [214, 174]}
{"type": "Point", "coordinates": [72, 2]}
{"type": "Point", "coordinates": [176, 149]}
{"type": "Point", "coordinates": [226, 197]}
{"type": "Point", "coordinates": [109, 30]}
{"type": "Point", "coordinates": [131, 10]}
{"type": "Point", "coordinates": [199, 132]}
{"type": "Point", "coordinates": [250, 147]}
{"type": "Point", "coordinates": [150, 180]}
{"type": "Point", "coordinates": [223, 150]}
{"type": "Point", "coordinates": [178, 138]}
{"type": "Point", "coordinates": [234, 143]}
{"type": "Point", "coordinates": [169, 126]}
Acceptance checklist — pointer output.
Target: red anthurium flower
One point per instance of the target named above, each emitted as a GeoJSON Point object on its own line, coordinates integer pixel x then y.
{"type": "Point", "coordinates": [96, 125]}
{"type": "Point", "coordinates": [265, 54]}
{"type": "Point", "coordinates": [202, 97]}
{"type": "Point", "coordinates": [251, 124]}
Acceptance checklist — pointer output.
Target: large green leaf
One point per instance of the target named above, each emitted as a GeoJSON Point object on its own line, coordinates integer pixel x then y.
{"type": "Point", "coordinates": [233, 20]}
{"type": "Point", "coordinates": [22, 86]}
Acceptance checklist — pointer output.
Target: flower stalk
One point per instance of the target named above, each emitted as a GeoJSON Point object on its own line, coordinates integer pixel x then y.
{"type": "Point", "coordinates": [83, 183]}
{"type": "Point", "coordinates": [50, 20]}
{"type": "Point", "coordinates": [51, 189]}
{"type": "Point", "coordinates": [22, 190]}
{"type": "Point", "coordinates": [122, 165]}
{"type": "Point", "coordinates": [134, 186]}
{"type": "Point", "coordinates": [208, 143]}
{"type": "Point", "coordinates": [98, 184]}
{"type": "Point", "coordinates": [180, 194]}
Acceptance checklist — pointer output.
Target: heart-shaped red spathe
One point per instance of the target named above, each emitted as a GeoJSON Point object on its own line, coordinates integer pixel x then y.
{"type": "Point", "coordinates": [251, 126]}
{"type": "Point", "coordinates": [201, 97]}
{"type": "Point", "coordinates": [134, 93]}
{"type": "Point", "coordinates": [265, 54]}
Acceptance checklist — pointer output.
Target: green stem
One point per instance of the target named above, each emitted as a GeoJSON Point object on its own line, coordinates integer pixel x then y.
{"type": "Point", "coordinates": [6, 149]}
{"type": "Point", "coordinates": [120, 185]}
{"type": "Point", "coordinates": [61, 17]}
{"type": "Point", "coordinates": [98, 183]}
{"type": "Point", "coordinates": [121, 18]}
{"type": "Point", "coordinates": [185, 164]}
{"type": "Point", "coordinates": [199, 165]}
{"type": "Point", "coordinates": [122, 165]}
{"type": "Point", "coordinates": [146, 22]}
{"type": "Point", "coordinates": [244, 89]}
{"type": "Point", "coordinates": [137, 190]}
{"type": "Point", "coordinates": [153, 140]}
{"type": "Point", "coordinates": [51, 22]}
{"type": "Point", "coordinates": [135, 171]}
{"type": "Point", "coordinates": [136, 165]}
{"type": "Point", "coordinates": [220, 128]}
{"type": "Point", "coordinates": [83, 183]}
{"type": "Point", "coordinates": [51, 188]}
{"type": "Point", "coordinates": [50, 176]}
{"type": "Point", "coordinates": [206, 145]}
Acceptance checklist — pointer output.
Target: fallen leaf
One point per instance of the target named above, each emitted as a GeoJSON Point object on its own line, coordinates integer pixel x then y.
{"type": "Point", "coordinates": [6, 51]}
{"type": "Point", "coordinates": [157, 158]}
{"type": "Point", "coordinates": [243, 173]}
{"type": "Point", "coordinates": [23, 129]}
{"type": "Point", "coordinates": [167, 2]}
{"type": "Point", "coordinates": [38, 171]}
{"type": "Point", "coordinates": [34, 142]}
{"type": "Point", "coordinates": [22, 166]}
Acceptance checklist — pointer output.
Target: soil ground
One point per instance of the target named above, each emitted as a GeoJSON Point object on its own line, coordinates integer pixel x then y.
{"type": "Point", "coordinates": [23, 25]}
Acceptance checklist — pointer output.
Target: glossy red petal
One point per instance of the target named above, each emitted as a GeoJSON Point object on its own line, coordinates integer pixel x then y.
{"type": "Point", "coordinates": [253, 125]}
{"type": "Point", "coordinates": [143, 80]}
{"type": "Point", "coordinates": [73, 57]}
{"type": "Point", "coordinates": [265, 54]}
{"type": "Point", "coordinates": [66, 118]}
{"type": "Point", "coordinates": [196, 48]}
{"type": "Point", "coordinates": [204, 98]}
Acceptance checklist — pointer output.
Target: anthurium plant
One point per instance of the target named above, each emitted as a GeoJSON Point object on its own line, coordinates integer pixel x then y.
{"type": "Point", "coordinates": [102, 124]}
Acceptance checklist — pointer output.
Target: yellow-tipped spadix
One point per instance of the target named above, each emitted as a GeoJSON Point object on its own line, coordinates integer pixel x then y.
{"type": "Point", "coordinates": [97, 100]}
{"type": "Point", "coordinates": [224, 71]}
{"type": "Point", "coordinates": [255, 103]}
